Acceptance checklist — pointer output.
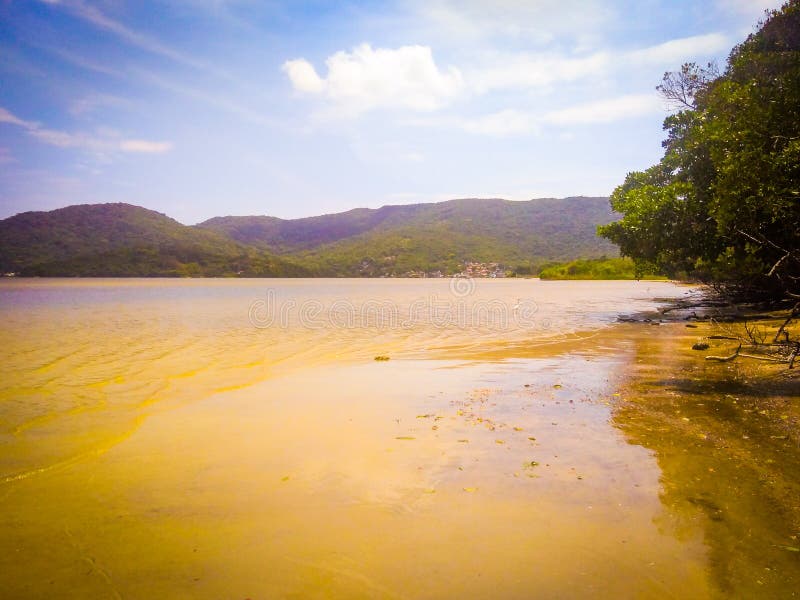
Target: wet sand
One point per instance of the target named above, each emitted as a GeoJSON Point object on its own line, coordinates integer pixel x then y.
{"type": "Point", "coordinates": [614, 462]}
{"type": "Point", "coordinates": [727, 440]}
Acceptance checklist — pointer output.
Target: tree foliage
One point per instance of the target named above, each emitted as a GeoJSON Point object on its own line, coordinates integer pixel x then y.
{"type": "Point", "coordinates": [723, 204]}
{"type": "Point", "coordinates": [595, 268]}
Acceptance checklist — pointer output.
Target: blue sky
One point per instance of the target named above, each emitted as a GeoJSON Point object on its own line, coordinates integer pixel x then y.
{"type": "Point", "coordinates": [198, 108]}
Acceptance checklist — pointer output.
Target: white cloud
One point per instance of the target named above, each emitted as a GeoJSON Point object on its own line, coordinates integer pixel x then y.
{"type": "Point", "coordinates": [676, 51]}
{"type": "Point", "coordinates": [145, 147]}
{"type": "Point", "coordinates": [103, 141]}
{"type": "Point", "coordinates": [605, 111]}
{"type": "Point", "coordinates": [408, 77]}
{"type": "Point", "coordinates": [369, 78]}
{"type": "Point", "coordinates": [303, 76]}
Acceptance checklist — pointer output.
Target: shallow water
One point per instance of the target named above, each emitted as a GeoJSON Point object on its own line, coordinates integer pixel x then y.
{"type": "Point", "coordinates": [85, 360]}
{"type": "Point", "coordinates": [236, 439]}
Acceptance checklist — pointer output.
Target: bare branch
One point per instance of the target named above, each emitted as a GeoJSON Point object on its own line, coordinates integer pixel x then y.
{"type": "Point", "coordinates": [725, 358]}
{"type": "Point", "coordinates": [777, 264]}
{"type": "Point", "coordinates": [764, 242]}
{"type": "Point", "coordinates": [792, 315]}
{"type": "Point", "coordinates": [680, 88]}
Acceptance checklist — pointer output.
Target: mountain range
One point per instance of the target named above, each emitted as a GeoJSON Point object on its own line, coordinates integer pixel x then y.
{"type": "Point", "coordinates": [126, 240]}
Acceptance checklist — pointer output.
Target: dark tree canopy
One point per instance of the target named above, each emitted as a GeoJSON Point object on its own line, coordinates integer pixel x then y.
{"type": "Point", "coordinates": [723, 204]}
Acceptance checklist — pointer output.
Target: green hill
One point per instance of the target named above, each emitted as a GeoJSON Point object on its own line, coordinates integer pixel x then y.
{"type": "Point", "coordinates": [292, 235]}
{"type": "Point", "coordinates": [123, 240]}
{"type": "Point", "coordinates": [394, 240]}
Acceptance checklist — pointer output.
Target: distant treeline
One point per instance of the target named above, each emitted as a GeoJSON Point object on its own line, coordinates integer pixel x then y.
{"type": "Point", "coordinates": [598, 268]}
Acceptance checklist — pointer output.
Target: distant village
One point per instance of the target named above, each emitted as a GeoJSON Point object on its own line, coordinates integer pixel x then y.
{"type": "Point", "coordinates": [471, 269]}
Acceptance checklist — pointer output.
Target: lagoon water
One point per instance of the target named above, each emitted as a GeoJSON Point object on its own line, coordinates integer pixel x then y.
{"type": "Point", "coordinates": [238, 439]}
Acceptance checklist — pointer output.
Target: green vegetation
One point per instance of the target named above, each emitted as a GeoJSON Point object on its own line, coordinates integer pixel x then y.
{"type": "Point", "coordinates": [599, 268]}
{"type": "Point", "coordinates": [122, 240]}
{"type": "Point", "coordinates": [119, 240]}
{"type": "Point", "coordinates": [723, 205]}
{"type": "Point", "coordinates": [394, 240]}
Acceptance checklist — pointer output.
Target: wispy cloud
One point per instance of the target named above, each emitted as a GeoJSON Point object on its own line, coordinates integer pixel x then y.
{"type": "Point", "coordinates": [98, 19]}
{"type": "Point", "coordinates": [502, 123]}
{"type": "Point", "coordinates": [94, 16]}
{"type": "Point", "coordinates": [92, 102]}
{"type": "Point", "coordinates": [105, 141]}
{"type": "Point", "coordinates": [675, 51]}
{"type": "Point", "coordinates": [537, 22]}
{"type": "Point", "coordinates": [7, 117]}
{"type": "Point", "coordinates": [220, 101]}
{"type": "Point", "coordinates": [750, 9]}
{"type": "Point", "coordinates": [511, 122]}
{"type": "Point", "coordinates": [145, 146]}
{"type": "Point", "coordinates": [534, 70]}
{"type": "Point", "coordinates": [82, 62]}
{"type": "Point", "coordinates": [606, 111]}
{"type": "Point", "coordinates": [499, 71]}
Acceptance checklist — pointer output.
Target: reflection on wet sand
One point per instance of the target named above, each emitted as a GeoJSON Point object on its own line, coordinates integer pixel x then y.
{"type": "Point", "coordinates": [726, 441]}
{"type": "Point", "coordinates": [403, 479]}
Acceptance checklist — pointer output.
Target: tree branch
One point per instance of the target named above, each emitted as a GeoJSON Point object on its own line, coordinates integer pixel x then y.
{"type": "Point", "coordinates": [725, 358]}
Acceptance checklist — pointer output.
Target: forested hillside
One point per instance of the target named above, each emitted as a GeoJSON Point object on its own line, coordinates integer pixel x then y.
{"type": "Point", "coordinates": [122, 240]}
{"type": "Point", "coordinates": [433, 237]}
{"type": "Point", "coordinates": [125, 240]}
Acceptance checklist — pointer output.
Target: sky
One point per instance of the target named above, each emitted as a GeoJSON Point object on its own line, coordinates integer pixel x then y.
{"type": "Point", "coordinates": [201, 108]}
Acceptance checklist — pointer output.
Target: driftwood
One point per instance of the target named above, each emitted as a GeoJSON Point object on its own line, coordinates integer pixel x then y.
{"type": "Point", "coordinates": [792, 315]}
{"type": "Point", "coordinates": [782, 349]}
{"type": "Point", "coordinates": [725, 358]}
{"type": "Point", "coordinates": [703, 303]}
